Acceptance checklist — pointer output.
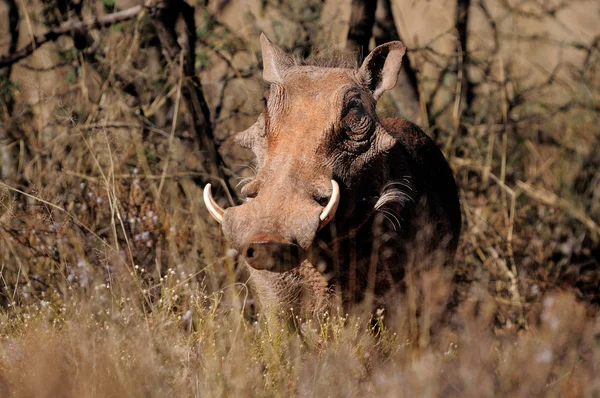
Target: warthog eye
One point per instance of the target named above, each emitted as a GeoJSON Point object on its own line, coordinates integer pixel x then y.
{"type": "Point", "coordinates": [357, 122]}
{"type": "Point", "coordinates": [353, 105]}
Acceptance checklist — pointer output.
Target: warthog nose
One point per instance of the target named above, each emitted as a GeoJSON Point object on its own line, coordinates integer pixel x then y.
{"type": "Point", "coordinates": [273, 256]}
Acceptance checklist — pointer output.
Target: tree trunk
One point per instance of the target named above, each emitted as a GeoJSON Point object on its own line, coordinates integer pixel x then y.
{"type": "Point", "coordinates": [7, 164]}
{"type": "Point", "coordinates": [362, 20]}
{"type": "Point", "coordinates": [191, 88]}
{"type": "Point", "coordinates": [406, 92]}
{"type": "Point", "coordinates": [461, 25]}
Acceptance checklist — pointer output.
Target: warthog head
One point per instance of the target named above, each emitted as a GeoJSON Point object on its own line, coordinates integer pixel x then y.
{"type": "Point", "coordinates": [319, 125]}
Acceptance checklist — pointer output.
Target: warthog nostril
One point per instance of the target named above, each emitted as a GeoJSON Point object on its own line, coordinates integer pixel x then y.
{"type": "Point", "coordinates": [322, 201]}
{"type": "Point", "coordinates": [273, 256]}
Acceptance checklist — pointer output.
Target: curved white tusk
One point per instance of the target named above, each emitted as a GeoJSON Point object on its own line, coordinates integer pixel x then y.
{"type": "Point", "coordinates": [329, 210]}
{"type": "Point", "coordinates": [213, 208]}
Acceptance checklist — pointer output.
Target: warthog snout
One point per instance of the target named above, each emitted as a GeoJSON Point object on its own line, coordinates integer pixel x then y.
{"type": "Point", "coordinates": [273, 256]}
{"type": "Point", "coordinates": [274, 230]}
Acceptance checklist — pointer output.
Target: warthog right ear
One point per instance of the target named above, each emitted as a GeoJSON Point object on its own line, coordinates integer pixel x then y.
{"type": "Point", "coordinates": [381, 67]}
{"type": "Point", "coordinates": [275, 61]}
{"type": "Point", "coordinates": [254, 138]}
{"type": "Point", "coordinates": [247, 138]}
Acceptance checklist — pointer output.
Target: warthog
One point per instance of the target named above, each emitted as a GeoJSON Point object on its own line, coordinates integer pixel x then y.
{"type": "Point", "coordinates": [341, 199]}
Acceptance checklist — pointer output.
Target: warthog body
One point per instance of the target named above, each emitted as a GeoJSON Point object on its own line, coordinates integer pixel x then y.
{"type": "Point", "coordinates": [396, 202]}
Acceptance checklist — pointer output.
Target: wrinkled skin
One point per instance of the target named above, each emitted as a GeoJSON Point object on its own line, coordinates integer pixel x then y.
{"type": "Point", "coordinates": [398, 198]}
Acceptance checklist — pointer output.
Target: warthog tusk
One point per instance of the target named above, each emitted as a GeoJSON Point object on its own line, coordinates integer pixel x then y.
{"type": "Point", "coordinates": [326, 215]}
{"type": "Point", "coordinates": [213, 208]}
{"type": "Point", "coordinates": [329, 210]}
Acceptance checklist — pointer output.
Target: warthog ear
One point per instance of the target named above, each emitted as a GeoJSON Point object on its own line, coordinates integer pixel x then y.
{"type": "Point", "coordinates": [381, 67]}
{"type": "Point", "coordinates": [247, 138]}
{"type": "Point", "coordinates": [254, 139]}
{"type": "Point", "coordinates": [275, 61]}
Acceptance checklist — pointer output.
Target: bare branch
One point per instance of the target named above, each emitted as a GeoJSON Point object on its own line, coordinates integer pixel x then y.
{"type": "Point", "coordinates": [69, 27]}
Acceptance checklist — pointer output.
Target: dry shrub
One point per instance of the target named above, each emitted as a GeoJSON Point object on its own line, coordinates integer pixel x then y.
{"type": "Point", "coordinates": [115, 282]}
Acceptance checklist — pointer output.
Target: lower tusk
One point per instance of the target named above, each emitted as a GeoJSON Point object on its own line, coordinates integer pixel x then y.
{"type": "Point", "coordinates": [213, 208]}
{"type": "Point", "coordinates": [329, 210]}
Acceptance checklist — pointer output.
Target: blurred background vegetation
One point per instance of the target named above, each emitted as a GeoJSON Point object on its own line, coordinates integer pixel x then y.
{"type": "Point", "coordinates": [114, 113]}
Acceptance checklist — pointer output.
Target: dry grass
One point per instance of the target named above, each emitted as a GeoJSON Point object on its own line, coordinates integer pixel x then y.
{"type": "Point", "coordinates": [115, 281]}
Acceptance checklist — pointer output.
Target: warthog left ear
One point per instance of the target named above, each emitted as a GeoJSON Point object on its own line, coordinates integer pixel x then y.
{"type": "Point", "coordinates": [275, 61]}
{"type": "Point", "coordinates": [381, 67]}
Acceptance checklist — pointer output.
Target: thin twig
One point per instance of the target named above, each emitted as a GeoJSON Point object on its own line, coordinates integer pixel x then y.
{"type": "Point", "coordinates": [71, 216]}
{"type": "Point", "coordinates": [550, 199]}
{"type": "Point", "coordinates": [71, 26]}
{"type": "Point", "coordinates": [173, 125]}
